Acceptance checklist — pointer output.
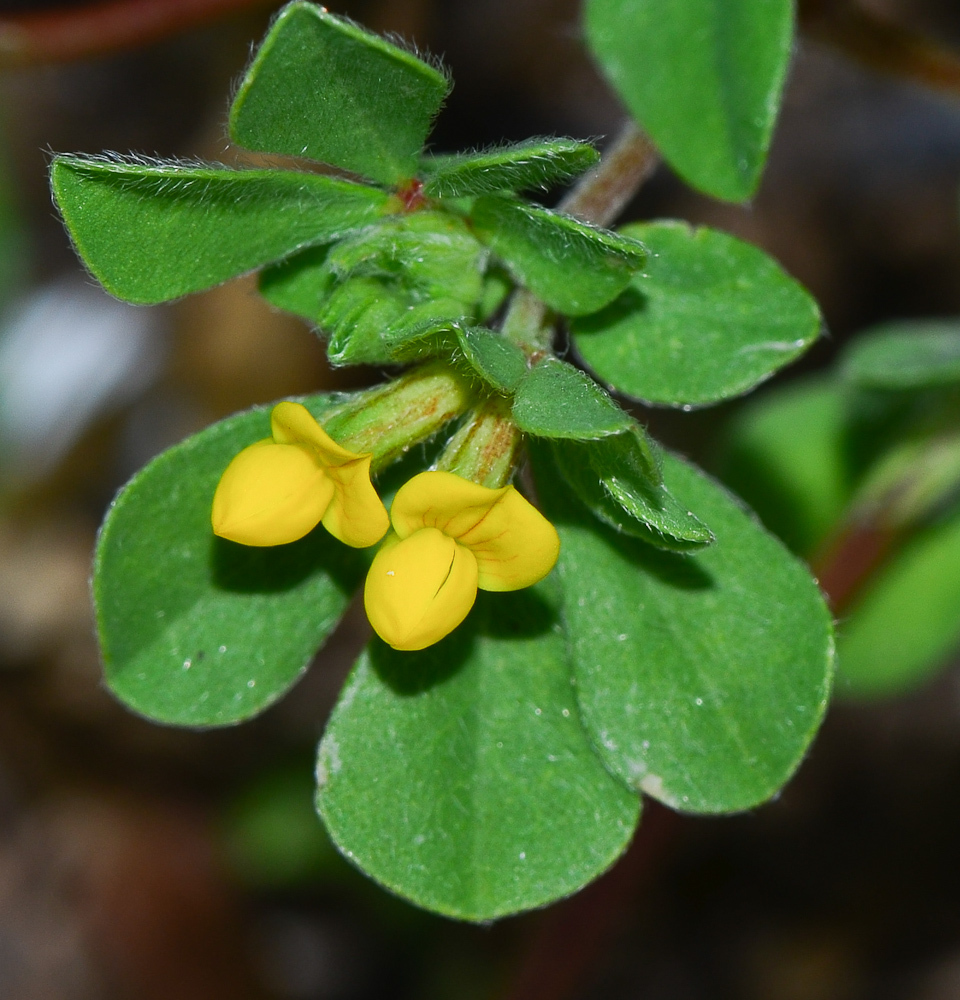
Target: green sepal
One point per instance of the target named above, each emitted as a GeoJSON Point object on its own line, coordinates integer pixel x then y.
{"type": "Point", "coordinates": [323, 88]}
{"type": "Point", "coordinates": [556, 400]}
{"type": "Point", "coordinates": [153, 232]}
{"type": "Point", "coordinates": [460, 777]}
{"type": "Point", "coordinates": [704, 79]}
{"type": "Point", "coordinates": [620, 482]}
{"type": "Point", "coordinates": [491, 356]}
{"type": "Point", "coordinates": [915, 354]}
{"type": "Point", "coordinates": [195, 630]}
{"type": "Point", "coordinates": [709, 318]}
{"type": "Point", "coordinates": [536, 163]}
{"type": "Point", "coordinates": [702, 678]}
{"type": "Point", "coordinates": [574, 268]}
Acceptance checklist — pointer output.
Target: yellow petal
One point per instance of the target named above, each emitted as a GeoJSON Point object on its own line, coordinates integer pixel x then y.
{"type": "Point", "coordinates": [356, 514]}
{"type": "Point", "coordinates": [270, 494]}
{"type": "Point", "coordinates": [292, 423]}
{"type": "Point", "coordinates": [514, 544]}
{"type": "Point", "coordinates": [419, 588]}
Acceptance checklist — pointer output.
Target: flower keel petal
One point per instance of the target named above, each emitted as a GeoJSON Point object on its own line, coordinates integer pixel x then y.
{"type": "Point", "coordinates": [420, 588]}
{"type": "Point", "coordinates": [270, 494]}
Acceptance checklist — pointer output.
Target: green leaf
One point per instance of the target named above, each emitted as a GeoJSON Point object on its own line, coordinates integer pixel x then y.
{"type": "Point", "coordinates": [323, 88]}
{"type": "Point", "coordinates": [701, 678]}
{"type": "Point", "coordinates": [619, 481]}
{"type": "Point", "coordinates": [537, 163]}
{"type": "Point", "coordinates": [155, 232]}
{"type": "Point", "coordinates": [196, 630]}
{"type": "Point", "coordinates": [573, 267]}
{"type": "Point", "coordinates": [491, 356]}
{"type": "Point", "coordinates": [301, 283]}
{"type": "Point", "coordinates": [787, 454]}
{"type": "Point", "coordinates": [907, 623]}
{"type": "Point", "coordinates": [709, 318]}
{"type": "Point", "coordinates": [556, 400]}
{"type": "Point", "coordinates": [460, 777]}
{"type": "Point", "coordinates": [703, 78]}
{"type": "Point", "coordinates": [910, 355]}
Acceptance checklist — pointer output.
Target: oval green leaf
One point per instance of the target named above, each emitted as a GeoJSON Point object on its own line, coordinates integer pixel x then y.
{"type": "Point", "coordinates": [573, 267]}
{"type": "Point", "coordinates": [710, 318]}
{"type": "Point", "coordinates": [703, 78]}
{"type": "Point", "coordinates": [196, 630]}
{"type": "Point", "coordinates": [911, 355]}
{"type": "Point", "coordinates": [150, 233]}
{"type": "Point", "coordinates": [323, 88]}
{"type": "Point", "coordinates": [460, 777]}
{"type": "Point", "coordinates": [701, 678]}
{"type": "Point", "coordinates": [556, 400]}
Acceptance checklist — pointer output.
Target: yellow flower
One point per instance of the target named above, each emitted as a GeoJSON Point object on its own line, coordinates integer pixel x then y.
{"type": "Point", "coordinates": [279, 489]}
{"type": "Point", "coordinates": [450, 537]}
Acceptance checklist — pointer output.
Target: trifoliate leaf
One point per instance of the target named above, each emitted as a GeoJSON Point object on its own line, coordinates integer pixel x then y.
{"type": "Point", "coordinates": [196, 630]}
{"type": "Point", "coordinates": [575, 268]}
{"type": "Point", "coordinates": [537, 163]}
{"type": "Point", "coordinates": [710, 317]}
{"type": "Point", "coordinates": [155, 232]}
{"type": "Point", "coordinates": [460, 776]}
{"type": "Point", "coordinates": [323, 88]}
{"type": "Point", "coordinates": [704, 79]}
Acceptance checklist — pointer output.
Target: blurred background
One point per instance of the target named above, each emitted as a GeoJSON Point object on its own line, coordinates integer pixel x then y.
{"type": "Point", "coordinates": [138, 861]}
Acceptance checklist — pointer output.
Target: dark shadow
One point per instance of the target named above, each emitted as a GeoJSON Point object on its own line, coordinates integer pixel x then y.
{"type": "Point", "coordinates": [628, 303]}
{"type": "Point", "coordinates": [249, 569]}
{"type": "Point", "coordinates": [412, 673]}
{"type": "Point", "coordinates": [517, 614]}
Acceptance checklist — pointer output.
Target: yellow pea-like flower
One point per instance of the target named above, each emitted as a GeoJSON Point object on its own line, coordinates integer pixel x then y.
{"type": "Point", "coordinates": [279, 489]}
{"type": "Point", "coordinates": [451, 536]}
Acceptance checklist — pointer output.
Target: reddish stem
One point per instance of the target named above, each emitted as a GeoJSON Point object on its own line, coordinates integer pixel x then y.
{"type": "Point", "coordinates": [100, 28]}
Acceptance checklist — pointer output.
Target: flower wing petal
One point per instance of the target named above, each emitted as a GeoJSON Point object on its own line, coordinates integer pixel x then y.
{"type": "Point", "coordinates": [514, 545]}
{"type": "Point", "coordinates": [270, 494]}
{"type": "Point", "coordinates": [419, 589]}
{"type": "Point", "coordinates": [356, 514]}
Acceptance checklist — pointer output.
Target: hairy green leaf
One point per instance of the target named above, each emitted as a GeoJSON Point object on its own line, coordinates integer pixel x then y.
{"type": "Point", "coordinates": [491, 356]}
{"type": "Point", "coordinates": [556, 400]}
{"type": "Point", "coordinates": [155, 232]}
{"type": "Point", "coordinates": [537, 163]}
{"type": "Point", "coordinates": [620, 482]}
{"type": "Point", "coordinates": [323, 88]}
{"type": "Point", "coordinates": [710, 317]}
{"type": "Point", "coordinates": [703, 78]}
{"type": "Point", "coordinates": [573, 267]}
{"type": "Point", "coordinates": [908, 355]}
{"type": "Point", "coordinates": [196, 630]}
{"type": "Point", "coordinates": [460, 777]}
{"type": "Point", "coordinates": [702, 678]}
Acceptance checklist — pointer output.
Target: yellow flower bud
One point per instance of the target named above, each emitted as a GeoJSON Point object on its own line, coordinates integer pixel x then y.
{"type": "Point", "coordinates": [450, 537]}
{"type": "Point", "coordinates": [279, 489]}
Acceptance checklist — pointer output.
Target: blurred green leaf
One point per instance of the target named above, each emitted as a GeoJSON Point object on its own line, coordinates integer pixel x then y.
{"type": "Point", "coordinates": [786, 453]}
{"type": "Point", "coordinates": [155, 232]}
{"type": "Point", "coordinates": [701, 678]}
{"type": "Point", "coordinates": [323, 88]}
{"type": "Point", "coordinates": [537, 163]}
{"type": "Point", "coordinates": [710, 317]}
{"type": "Point", "coordinates": [908, 355]}
{"type": "Point", "coordinates": [556, 400]}
{"type": "Point", "coordinates": [465, 784]}
{"type": "Point", "coordinates": [573, 267]}
{"type": "Point", "coordinates": [196, 630]}
{"type": "Point", "coordinates": [703, 78]}
{"type": "Point", "coordinates": [620, 483]}
{"type": "Point", "coordinates": [907, 621]}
